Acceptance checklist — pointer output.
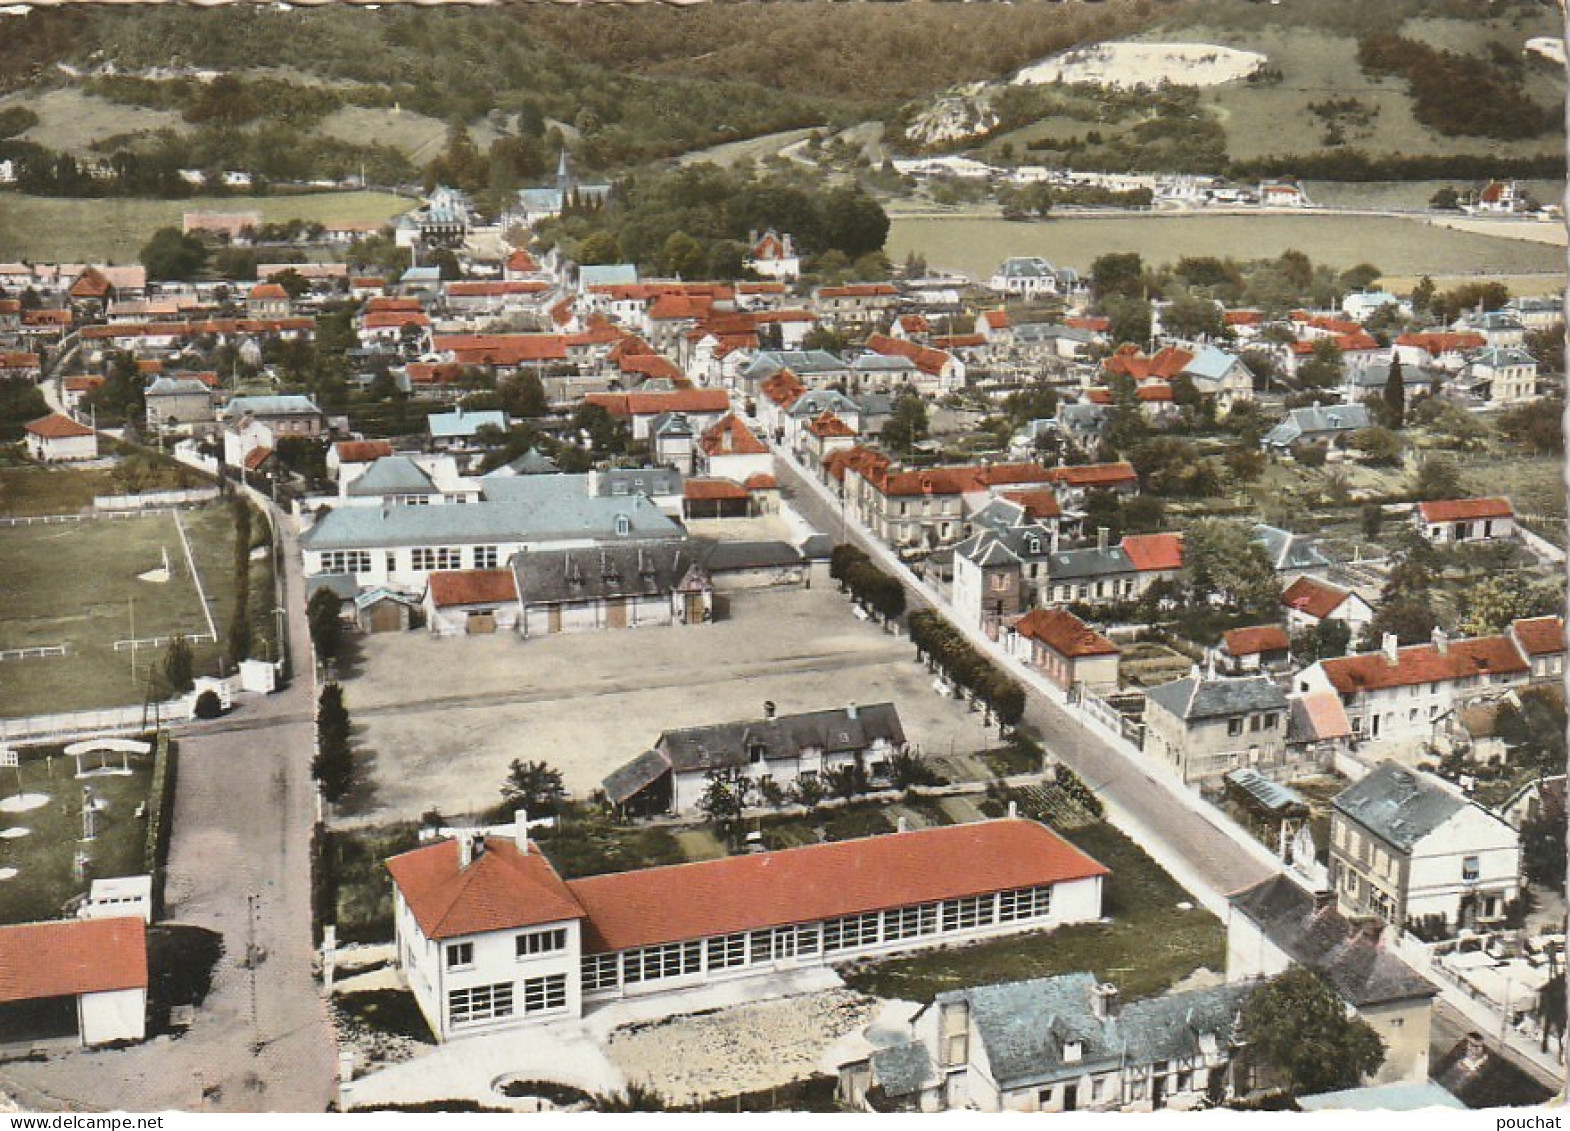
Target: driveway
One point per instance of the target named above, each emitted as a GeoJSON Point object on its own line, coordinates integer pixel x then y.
{"type": "Point", "coordinates": [244, 805]}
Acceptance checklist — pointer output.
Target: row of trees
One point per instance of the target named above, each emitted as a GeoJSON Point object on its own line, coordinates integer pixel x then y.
{"type": "Point", "coordinates": [943, 648]}
{"type": "Point", "coordinates": [866, 583]}
{"type": "Point", "coordinates": [334, 766]}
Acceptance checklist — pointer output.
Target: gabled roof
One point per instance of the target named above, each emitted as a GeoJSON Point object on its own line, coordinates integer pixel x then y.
{"type": "Point", "coordinates": [57, 427]}
{"type": "Point", "coordinates": [1204, 697]}
{"type": "Point", "coordinates": [929, 361]}
{"type": "Point", "coordinates": [257, 457]}
{"type": "Point", "coordinates": [1255, 641]}
{"type": "Point", "coordinates": [1064, 633]}
{"type": "Point", "coordinates": [826, 425]}
{"type": "Point", "coordinates": [448, 588]}
{"type": "Point", "coordinates": [729, 436]}
{"type": "Point", "coordinates": [462, 422]}
{"type": "Point", "coordinates": [393, 475]}
{"type": "Point", "coordinates": [822, 881]}
{"type": "Point", "coordinates": [1361, 970]}
{"type": "Point", "coordinates": [362, 451]}
{"type": "Point", "coordinates": [1399, 805]}
{"type": "Point", "coordinates": [72, 956]}
{"type": "Point", "coordinates": [1165, 364]}
{"type": "Point", "coordinates": [1154, 551]}
{"type": "Point", "coordinates": [652, 404]}
{"type": "Point", "coordinates": [1425, 663]}
{"type": "Point", "coordinates": [1093, 475]}
{"type": "Point", "coordinates": [1314, 598]}
{"type": "Point", "coordinates": [1316, 717]}
{"type": "Point", "coordinates": [501, 889]}
{"type": "Point", "coordinates": [1287, 551]}
{"type": "Point", "coordinates": [1454, 510]}
{"type": "Point", "coordinates": [1540, 636]}
{"type": "Point", "coordinates": [1437, 342]}
{"type": "Point", "coordinates": [1038, 502]}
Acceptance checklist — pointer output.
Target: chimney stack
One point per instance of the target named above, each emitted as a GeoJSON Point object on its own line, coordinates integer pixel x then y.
{"type": "Point", "coordinates": [1013, 810]}
{"type": "Point", "coordinates": [850, 710]}
{"type": "Point", "coordinates": [901, 826]}
{"type": "Point", "coordinates": [1441, 640]}
{"type": "Point", "coordinates": [1387, 645]}
{"type": "Point", "coordinates": [768, 708]}
{"type": "Point", "coordinates": [520, 831]}
{"type": "Point", "coordinates": [1324, 901]}
{"type": "Point", "coordinates": [1103, 1001]}
{"type": "Point", "coordinates": [1101, 538]}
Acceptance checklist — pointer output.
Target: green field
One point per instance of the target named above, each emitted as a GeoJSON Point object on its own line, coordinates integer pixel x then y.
{"type": "Point", "coordinates": [77, 584]}
{"type": "Point", "coordinates": [43, 857]}
{"type": "Point", "coordinates": [54, 230]}
{"type": "Point", "coordinates": [1397, 246]}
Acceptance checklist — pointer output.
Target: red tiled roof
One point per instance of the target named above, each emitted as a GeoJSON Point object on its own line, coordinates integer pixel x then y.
{"type": "Point", "coordinates": [890, 480]}
{"type": "Point", "coordinates": [439, 373]}
{"type": "Point", "coordinates": [837, 463]}
{"type": "Point", "coordinates": [704, 490]}
{"type": "Point", "coordinates": [500, 890]}
{"type": "Point", "coordinates": [1340, 326]}
{"type": "Point", "coordinates": [929, 361]}
{"type": "Point", "coordinates": [822, 881]}
{"type": "Point", "coordinates": [630, 346]}
{"type": "Point", "coordinates": [1096, 323]}
{"type": "Point", "coordinates": [651, 365]}
{"type": "Point", "coordinates": [858, 290]}
{"type": "Point", "coordinates": [729, 436]}
{"type": "Point", "coordinates": [1314, 598]}
{"type": "Point", "coordinates": [1165, 364]}
{"type": "Point", "coordinates": [495, 288]}
{"type": "Point", "coordinates": [1459, 510]}
{"type": "Point", "coordinates": [652, 404]}
{"type": "Point", "coordinates": [1064, 633]}
{"type": "Point", "coordinates": [393, 319]}
{"type": "Point", "coordinates": [46, 317]}
{"type": "Point", "coordinates": [1094, 474]}
{"type": "Point", "coordinates": [1154, 551]}
{"type": "Point", "coordinates": [18, 361]}
{"type": "Point", "coordinates": [1437, 342]}
{"type": "Point", "coordinates": [57, 427]}
{"type": "Point", "coordinates": [1157, 392]}
{"type": "Point", "coordinates": [521, 260]}
{"type": "Point", "coordinates": [1326, 716]}
{"type": "Point", "coordinates": [769, 247]}
{"type": "Point", "coordinates": [1039, 503]}
{"type": "Point", "coordinates": [1425, 663]}
{"type": "Point", "coordinates": [72, 956]}
{"type": "Point", "coordinates": [1493, 192]}
{"type": "Point", "coordinates": [1540, 636]}
{"type": "Point", "coordinates": [827, 425]}
{"type": "Point", "coordinates": [1242, 317]}
{"type": "Point", "coordinates": [472, 587]}
{"type": "Point", "coordinates": [83, 383]}
{"type": "Point", "coordinates": [784, 388]}
{"type": "Point", "coordinates": [761, 482]}
{"type": "Point", "coordinates": [257, 456]}
{"type": "Point", "coordinates": [362, 451]}
{"type": "Point", "coordinates": [677, 307]}
{"type": "Point", "coordinates": [90, 284]}
{"type": "Point", "coordinates": [268, 290]}
{"type": "Point", "coordinates": [1346, 343]}
{"type": "Point", "coordinates": [367, 282]}
{"type": "Point", "coordinates": [997, 319]}
{"type": "Point", "coordinates": [502, 349]}
{"type": "Point", "coordinates": [1256, 640]}
{"type": "Point", "coordinates": [760, 288]}
{"type": "Point", "coordinates": [389, 302]}
{"type": "Point", "coordinates": [960, 341]}
{"type": "Point", "coordinates": [914, 324]}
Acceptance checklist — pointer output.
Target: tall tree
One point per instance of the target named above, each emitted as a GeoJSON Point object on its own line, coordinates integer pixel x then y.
{"type": "Point", "coordinates": [323, 614]}
{"type": "Point", "coordinates": [171, 254]}
{"type": "Point", "coordinates": [179, 664]}
{"type": "Point", "coordinates": [333, 767]}
{"type": "Point", "coordinates": [1297, 1026]}
{"type": "Point", "coordinates": [1222, 563]}
{"type": "Point", "coordinates": [534, 787]}
{"type": "Point", "coordinates": [1395, 394]}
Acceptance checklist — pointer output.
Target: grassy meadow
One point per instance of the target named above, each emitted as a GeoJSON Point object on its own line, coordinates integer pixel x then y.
{"type": "Point", "coordinates": [113, 230]}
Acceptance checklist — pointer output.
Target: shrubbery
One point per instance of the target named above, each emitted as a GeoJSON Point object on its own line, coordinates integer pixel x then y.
{"type": "Point", "coordinates": [939, 644]}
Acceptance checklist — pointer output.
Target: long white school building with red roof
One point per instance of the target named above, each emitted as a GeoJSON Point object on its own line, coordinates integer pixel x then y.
{"type": "Point", "coordinates": [489, 936]}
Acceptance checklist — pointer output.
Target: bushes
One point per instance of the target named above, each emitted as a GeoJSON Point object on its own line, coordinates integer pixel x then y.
{"type": "Point", "coordinates": [333, 766]}
{"type": "Point", "coordinates": [866, 583]}
{"type": "Point", "coordinates": [1457, 94]}
{"type": "Point", "coordinates": [160, 812]}
{"type": "Point", "coordinates": [239, 638]}
{"type": "Point", "coordinates": [940, 644]}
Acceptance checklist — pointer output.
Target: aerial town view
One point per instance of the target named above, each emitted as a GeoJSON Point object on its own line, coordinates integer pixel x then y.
{"type": "Point", "coordinates": [783, 557]}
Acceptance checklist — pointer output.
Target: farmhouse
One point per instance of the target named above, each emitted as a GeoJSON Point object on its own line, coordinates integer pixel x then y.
{"type": "Point", "coordinates": [1309, 602]}
{"type": "Point", "coordinates": [1405, 845]}
{"type": "Point", "coordinates": [673, 775]}
{"type": "Point", "coordinates": [490, 937]}
{"type": "Point", "coordinates": [1447, 521]}
{"type": "Point", "coordinates": [85, 978]}
{"type": "Point", "coordinates": [1066, 650]}
{"type": "Point", "coordinates": [1051, 1044]}
{"type": "Point", "coordinates": [1251, 649]}
{"type": "Point", "coordinates": [57, 439]}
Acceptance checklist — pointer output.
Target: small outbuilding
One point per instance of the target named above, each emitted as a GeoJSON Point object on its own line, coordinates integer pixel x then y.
{"type": "Point", "coordinates": [57, 438]}
{"type": "Point", "coordinates": [82, 978]}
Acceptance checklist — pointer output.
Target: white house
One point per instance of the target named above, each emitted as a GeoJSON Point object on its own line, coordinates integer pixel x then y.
{"type": "Point", "coordinates": [674, 774]}
{"type": "Point", "coordinates": [1503, 375]}
{"type": "Point", "coordinates": [56, 438]}
{"type": "Point", "coordinates": [1405, 845]}
{"type": "Point", "coordinates": [1399, 693]}
{"type": "Point", "coordinates": [1447, 521]}
{"type": "Point", "coordinates": [1025, 277]}
{"type": "Point", "coordinates": [773, 256]}
{"type": "Point", "coordinates": [489, 937]}
{"type": "Point", "coordinates": [1309, 601]}
{"type": "Point", "coordinates": [74, 977]}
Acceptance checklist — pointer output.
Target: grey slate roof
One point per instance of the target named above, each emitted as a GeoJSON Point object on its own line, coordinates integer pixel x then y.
{"type": "Point", "coordinates": [817, 547]}
{"type": "Point", "coordinates": [1272, 795]}
{"type": "Point", "coordinates": [341, 585]}
{"type": "Point", "coordinates": [622, 482]}
{"type": "Point", "coordinates": [631, 779]}
{"type": "Point", "coordinates": [1089, 563]}
{"type": "Point", "coordinates": [462, 424]}
{"type": "Point", "coordinates": [1026, 267]}
{"type": "Point", "coordinates": [531, 462]}
{"type": "Point", "coordinates": [1286, 550]}
{"type": "Point", "coordinates": [723, 556]}
{"type": "Point", "coordinates": [695, 749]}
{"type": "Point", "coordinates": [393, 475]}
{"type": "Point", "coordinates": [814, 402]}
{"type": "Point", "coordinates": [1361, 971]}
{"type": "Point", "coordinates": [289, 404]}
{"type": "Point", "coordinates": [1196, 697]}
{"type": "Point", "coordinates": [176, 387]}
{"type": "Point", "coordinates": [1493, 357]}
{"type": "Point", "coordinates": [548, 577]}
{"type": "Point", "coordinates": [607, 274]}
{"type": "Point", "coordinates": [1024, 1025]}
{"type": "Point", "coordinates": [1318, 420]}
{"type": "Point", "coordinates": [903, 1070]}
{"type": "Point", "coordinates": [533, 508]}
{"type": "Point", "coordinates": [1211, 364]}
{"type": "Point", "coordinates": [803, 363]}
{"type": "Point", "coordinates": [1040, 333]}
{"type": "Point", "coordinates": [1000, 544]}
{"type": "Point", "coordinates": [1398, 805]}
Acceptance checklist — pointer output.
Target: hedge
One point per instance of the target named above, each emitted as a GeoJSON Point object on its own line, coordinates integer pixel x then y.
{"type": "Point", "coordinates": [160, 814]}
{"type": "Point", "coordinates": [941, 643]}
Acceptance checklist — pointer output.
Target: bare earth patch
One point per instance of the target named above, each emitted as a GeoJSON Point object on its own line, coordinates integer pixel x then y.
{"type": "Point", "coordinates": [1144, 64]}
{"type": "Point", "coordinates": [740, 1049]}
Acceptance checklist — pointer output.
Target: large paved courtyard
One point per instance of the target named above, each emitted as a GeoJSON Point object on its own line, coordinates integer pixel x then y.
{"type": "Point", "coordinates": [442, 718]}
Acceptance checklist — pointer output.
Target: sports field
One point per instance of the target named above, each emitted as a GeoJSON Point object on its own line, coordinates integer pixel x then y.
{"type": "Point", "coordinates": [1399, 247]}
{"type": "Point", "coordinates": [89, 584]}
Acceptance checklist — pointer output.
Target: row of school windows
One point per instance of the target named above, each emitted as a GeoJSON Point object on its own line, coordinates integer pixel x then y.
{"type": "Point", "coordinates": [498, 1000]}
{"type": "Point", "coordinates": [423, 558]}
{"type": "Point", "coordinates": [851, 932]}
{"type": "Point", "coordinates": [460, 955]}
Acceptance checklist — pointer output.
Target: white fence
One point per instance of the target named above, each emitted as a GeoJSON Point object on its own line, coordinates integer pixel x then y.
{"type": "Point", "coordinates": [113, 720]}
{"type": "Point", "coordinates": [155, 500]}
{"type": "Point", "coordinates": [85, 516]}
{"type": "Point", "coordinates": [37, 653]}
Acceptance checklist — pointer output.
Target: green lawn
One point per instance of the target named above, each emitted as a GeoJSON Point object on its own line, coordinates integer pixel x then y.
{"type": "Point", "coordinates": [1149, 946]}
{"type": "Point", "coordinates": [51, 229]}
{"type": "Point", "coordinates": [1397, 246]}
{"type": "Point", "coordinates": [30, 489]}
{"type": "Point", "coordinates": [362, 907]}
{"type": "Point", "coordinates": [43, 858]}
{"type": "Point", "coordinates": [77, 584]}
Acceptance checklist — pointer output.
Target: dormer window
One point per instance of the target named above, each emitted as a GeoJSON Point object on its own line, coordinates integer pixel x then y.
{"type": "Point", "coordinates": [623, 525]}
{"type": "Point", "coordinates": [1073, 1051]}
{"type": "Point", "coordinates": [756, 752]}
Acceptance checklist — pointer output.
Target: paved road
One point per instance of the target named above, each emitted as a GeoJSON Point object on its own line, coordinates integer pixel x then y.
{"type": "Point", "coordinates": [1197, 851]}
{"type": "Point", "coordinates": [243, 811]}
